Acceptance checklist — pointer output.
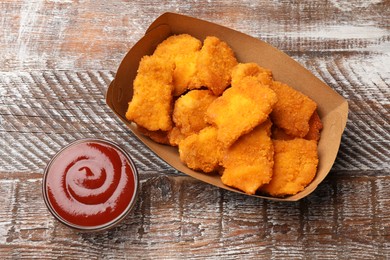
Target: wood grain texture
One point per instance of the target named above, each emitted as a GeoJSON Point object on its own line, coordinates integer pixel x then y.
{"type": "Point", "coordinates": [58, 58]}
{"type": "Point", "coordinates": [182, 217]}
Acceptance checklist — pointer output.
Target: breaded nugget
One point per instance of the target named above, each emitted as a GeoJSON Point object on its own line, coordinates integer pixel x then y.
{"type": "Point", "coordinates": [184, 72]}
{"type": "Point", "coordinates": [240, 109]}
{"type": "Point", "coordinates": [315, 127]}
{"type": "Point", "coordinates": [295, 166]}
{"type": "Point", "coordinates": [157, 136]}
{"type": "Point", "coordinates": [175, 136]}
{"type": "Point", "coordinates": [249, 161]}
{"type": "Point", "coordinates": [214, 66]}
{"type": "Point", "coordinates": [177, 45]}
{"type": "Point", "coordinates": [189, 113]}
{"type": "Point", "coordinates": [202, 151]}
{"type": "Point", "coordinates": [151, 105]}
{"type": "Point", "coordinates": [183, 50]}
{"type": "Point", "coordinates": [293, 110]}
{"type": "Point", "coordinates": [280, 134]}
{"type": "Point", "coordinates": [242, 70]}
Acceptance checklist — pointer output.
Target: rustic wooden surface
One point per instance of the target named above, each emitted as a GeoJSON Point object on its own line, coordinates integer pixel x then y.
{"type": "Point", "coordinates": [57, 59]}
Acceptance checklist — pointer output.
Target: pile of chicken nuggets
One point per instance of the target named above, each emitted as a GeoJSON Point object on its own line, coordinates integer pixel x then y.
{"type": "Point", "coordinates": [226, 117]}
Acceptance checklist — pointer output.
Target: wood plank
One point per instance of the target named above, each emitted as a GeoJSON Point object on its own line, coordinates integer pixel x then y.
{"type": "Point", "coordinates": [72, 35]}
{"type": "Point", "coordinates": [367, 89]}
{"type": "Point", "coordinates": [180, 216]}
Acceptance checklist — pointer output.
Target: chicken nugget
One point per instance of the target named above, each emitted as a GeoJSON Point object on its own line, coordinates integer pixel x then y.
{"type": "Point", "coordinates": [293, 110]}
{"type": "Point", "coordinates": [177, 45]}
{"type": "Point", "coordinates": [175, 136]}
{"type": "Point", "coordinates": [315, 127]}
{"type": "Point", "coordinates": [280, 134]}
{"type": "Point", "coordinates": [295, 166]}
{"type": "Point", "coordinates": [214, 66]}
{"type": "Point", "coordinates": [157, 136]}
{"type": "Point", "coordinates": [183, 50]}
{"type": "Point", "coordinates": [151, 105]}
{"type": "Point", "coordinates": [240, 109]}
{"type": "Point", "coordinates": [242, 70]}
{"type": "Point", "coordinates": [189, 113]}
{"type": "Point", "coordinates": [184, 72]}
{"type": "Point", "coordinates": [249, 161]}
{"type": "Point", "coordinates": [202, 151]}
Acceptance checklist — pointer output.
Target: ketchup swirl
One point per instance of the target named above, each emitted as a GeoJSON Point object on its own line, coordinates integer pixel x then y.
{"type": "Point", "coordinates": [90, 184]}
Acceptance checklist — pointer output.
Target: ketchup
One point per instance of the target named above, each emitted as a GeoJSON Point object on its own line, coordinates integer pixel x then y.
{"type": "Point", "coordinates": [89, 184]}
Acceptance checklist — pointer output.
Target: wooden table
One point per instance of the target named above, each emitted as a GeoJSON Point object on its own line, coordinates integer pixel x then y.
{"type": "Point", "coordinates": [57, 59]}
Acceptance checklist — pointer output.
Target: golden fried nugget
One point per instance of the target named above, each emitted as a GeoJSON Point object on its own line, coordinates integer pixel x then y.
{"type": "Point", "coordinates": [240, 109]}
{"type": "Point", "coordinates": [214, 66]}
{"type": "Point", "coordinates": [280, 134]}
{"type": "Point", "coordinates": [249, 161]}
{"type": "Point", "coordinates": [190, 109]}
{"type": "Point", "coordinates": [184, 72]}
{"type": "Point", "coordinates": [151, 105]}
{"type": "Point", "coordinates": [293, 110]}
{"type": "Point", "coordinates": [295, 166]}
{"type": "Point", "coordinates": [183, 50]}
{"type": "Point", "coordinates": [175, 136]}
{"type": "Point", "coordinates": [157, 136]}
{"type": "Point", "coordinates": [242, 70]}
{"type": "Point", "coordinates": [189, 113]}
{"type": "Point", "coordinates": [177, 45]}
{"type": "Point", "coordinates": [202, 151]}
{"type": "Point", "coordinates": [315, 127]}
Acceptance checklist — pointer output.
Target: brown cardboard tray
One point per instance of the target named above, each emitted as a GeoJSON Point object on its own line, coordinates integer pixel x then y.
{"type": "Point", "coordinates": [332, 108]}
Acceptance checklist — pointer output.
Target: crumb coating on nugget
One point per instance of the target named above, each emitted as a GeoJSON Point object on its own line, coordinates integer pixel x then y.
{"type": "Point", "coordinates": [295, 166]}
{"type": "Point", "coordinates": [189, 113]}
{"type": "Point", "coordinates": [202, 151]}
{"type": "Point", "coordinates": [159, 136]}
{"type": "Point", "coordinates": [249, 161]}
{"type": "Point", "coordinates": [315, 127]}
{"type": "Point", "coordinates": [177, 45]}
{"type": "Point", "coordinates": [293, 110]}
{"type": "Point", "coordinates": [242, 70]}
{"type": "Point", "coordinates": [240, 109]}
{"type": "Point", "coordinates": [183, 50]}
{"type": "Point", "coordinates": [151, 105]}
{"type": "Point", "coordinates": [214, 66]}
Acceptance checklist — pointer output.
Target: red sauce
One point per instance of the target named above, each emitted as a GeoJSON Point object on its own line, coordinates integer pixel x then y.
{"type": "Point", "coordinates": [90, 184]}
